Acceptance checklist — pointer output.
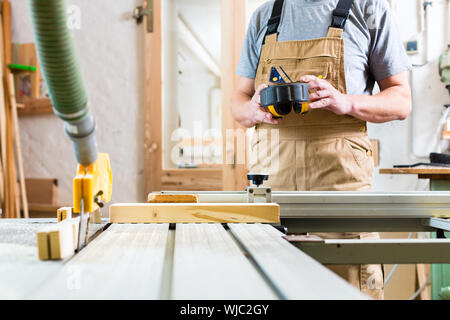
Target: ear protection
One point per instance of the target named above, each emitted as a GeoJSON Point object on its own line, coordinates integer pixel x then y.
{"type": "Point", "coordinates": [281, 99]}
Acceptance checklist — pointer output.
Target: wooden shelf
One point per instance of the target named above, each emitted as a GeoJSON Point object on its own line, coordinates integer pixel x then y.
{"type": "Point", "coordinates": [417, 170]}
{"type": "Point", "coordinates": [35, 106]}
{"type": "Point", "coordinates": [423, 172]}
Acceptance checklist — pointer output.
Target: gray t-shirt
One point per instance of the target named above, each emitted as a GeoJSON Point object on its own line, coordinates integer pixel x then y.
{"type": "Point", "coordinates": [373, 49]}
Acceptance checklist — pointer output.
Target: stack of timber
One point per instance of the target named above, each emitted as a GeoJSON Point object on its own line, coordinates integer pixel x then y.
{"type": "Point", "coordinates": [13, 197]}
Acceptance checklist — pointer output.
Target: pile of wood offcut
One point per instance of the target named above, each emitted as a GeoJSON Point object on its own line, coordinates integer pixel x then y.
{"type": "Point", "coordinates": [13, 196]}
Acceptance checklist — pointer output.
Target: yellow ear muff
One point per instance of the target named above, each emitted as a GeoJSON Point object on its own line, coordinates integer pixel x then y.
{"type": "Point", "coordinates": [273, 111]}
{"type": "Point", "coordinates": [304, 107]}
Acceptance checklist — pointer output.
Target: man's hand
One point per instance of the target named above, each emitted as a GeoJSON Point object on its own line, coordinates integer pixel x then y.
{"type": "Point", "coordinates": [256, 114]}
{"type": "Point", "coordinates": [326, 96]}
{"type": "Point", "coordinates": [392, 103]}
{"type": "Point", "coordinates": [246, 105]}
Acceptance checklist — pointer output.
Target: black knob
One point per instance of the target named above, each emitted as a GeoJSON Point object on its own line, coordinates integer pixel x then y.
{"type": "Point", "coordinates": [257, 179]}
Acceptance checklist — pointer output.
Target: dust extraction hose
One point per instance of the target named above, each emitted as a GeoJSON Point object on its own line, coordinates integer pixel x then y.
{"type": "Point", "coordinates": [61, 71]}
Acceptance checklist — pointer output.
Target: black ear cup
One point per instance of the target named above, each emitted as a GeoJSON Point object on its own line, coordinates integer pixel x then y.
{"type": "Point", "coordinates": [281, 99]}
{"type": "Point", "coordinates": [283, 109]}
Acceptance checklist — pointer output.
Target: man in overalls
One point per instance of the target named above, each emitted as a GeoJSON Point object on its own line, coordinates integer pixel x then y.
{"type": "Point", "coordinates": [328, 148]}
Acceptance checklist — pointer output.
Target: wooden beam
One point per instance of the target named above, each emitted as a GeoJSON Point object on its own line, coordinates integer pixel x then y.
{"type": "Point", "coordinates": [36, 106]}
{"type": "Point", "coordinates": [25, 54]}
{"type": "Point", "coordinates": [19, 159]}
{"type": "Point", "coordinates": [191, 179]}
{"type": "Point", "coordinates": [64, 213]}
{"type": "Point", "coordinates": [194, 213]}
{"type": "Point", "coordinates": [233, 35]}
{"type": "Point", "coordinates": [294, 273]}
{"type": "Point", "coordinates": [58, 242]}
{"type": "Point", "coordinates": [423, 270]}
{"type": "Point", "coordinates": [152, 102]}
{"type": "Point", "coordinates": [11, 209]}
{"type": "Point", "coordinates": [206, 259]}
{"type": "Point", "coordinates": [130, 256]}
{"type": "Point", "coordinates": [172, 198]}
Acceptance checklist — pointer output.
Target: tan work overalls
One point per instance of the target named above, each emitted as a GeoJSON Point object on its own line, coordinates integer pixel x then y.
{"type": "Point", "coordinates": [319, 151]}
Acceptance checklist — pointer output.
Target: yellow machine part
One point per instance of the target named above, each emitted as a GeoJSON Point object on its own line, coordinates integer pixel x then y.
{"type": "Point", "coordinates": [91, 181]}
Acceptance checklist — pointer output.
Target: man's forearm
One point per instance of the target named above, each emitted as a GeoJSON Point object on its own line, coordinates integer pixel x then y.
{"type": "Point", "coordinates": [239, 108]}
{"type": "Point", "coordinates": [393, 103]}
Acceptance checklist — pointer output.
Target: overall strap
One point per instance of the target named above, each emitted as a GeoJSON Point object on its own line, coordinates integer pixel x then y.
{"type": "Point", "coordinates": [274, 22]}
{"type": "Point", "coordinates": [339, 18]}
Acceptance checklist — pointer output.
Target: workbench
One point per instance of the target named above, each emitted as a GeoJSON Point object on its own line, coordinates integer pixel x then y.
{"type": "Point", "coordinates": [439, 181]}
{"type": "Point", "coordinates": [231, 260]}
{"type": "Point", "coordinates": [162, 261]}
{"type": "Point", "coordinates": [439, 176]}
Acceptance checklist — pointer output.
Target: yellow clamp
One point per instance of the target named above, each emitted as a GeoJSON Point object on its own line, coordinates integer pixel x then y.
{"type": "Point", "coordinates": [94, 180]}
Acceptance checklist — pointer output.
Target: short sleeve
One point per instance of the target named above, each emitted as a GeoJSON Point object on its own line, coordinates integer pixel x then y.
{"type": "Point", "coordinates": [387, 55]}
{"type": "Point", "coordinates": [248, 62]}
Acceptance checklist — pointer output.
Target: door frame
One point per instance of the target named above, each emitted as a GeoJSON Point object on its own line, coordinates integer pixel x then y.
{"type": "Point", "coordinates": [229, 176]}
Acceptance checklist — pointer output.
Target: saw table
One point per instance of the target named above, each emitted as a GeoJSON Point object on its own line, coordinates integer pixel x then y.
{"type": "Point", "coordinates": [235, 260]}
{"type": "Point", "coordinates": [163, 261]}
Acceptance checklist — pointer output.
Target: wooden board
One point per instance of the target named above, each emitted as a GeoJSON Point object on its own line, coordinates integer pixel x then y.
{"type": "Point", "coordinates": [152, 52]}
{"type": "Point", "coordinates": [206, 259]}
{"type": "Point", "coordinates": [64, 213]}
{"type": "Point", "coordinates": [172, 198]}
{"type": "Point", "coordinates": [25, 54]}
{"type": "Point", "coordinates": [124, 262]}
{"type": "Point", "coordinates": [233, 20]}
{"type": "Point", "coordinates": [194, 213]}
{"type": "Point", "coordinates": [417, 170]}
{"type": "Point", "coordinates": [191, 179]}
{"type": "Point", "coordinates": [295, 274]}
{"type": "Point", "coordinates": [22, 190]}
{"type": "Point", "coordinates": [63, 239]}
{"type": "Point", "coordinates": [375, 152]}
{"type": "Point", "coordinates": [59, 241]}
{"type": "Point", "coordinates": [35, 106]}
{"type": "Point", "coordinates": [21, 272]}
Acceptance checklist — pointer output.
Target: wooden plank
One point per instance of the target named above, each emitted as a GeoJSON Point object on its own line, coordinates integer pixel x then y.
{"type": "Point", "coordinates": [375, 152]}
{"type": "Point", "coordinates": [194, 213]}
{"type": "Point", "coordinates": [36, 106]}
{"type": "Point", "coordinates": [129, 257]}
{"type": "Point", "coordinates": [6, 13]}
{"type": "Point", "coordinates": [172, 198]}
{"type": "Point", "coordinates": [295, 274]}
{"type": "Point", "coordinates": [153, 101]}
{"type": "Point", "coordinates": [423, 271]}
{"type": "Point", "coordinates": [63, 240]}
{"type": "Point", "coordinates": [208, 264]}
{"type": "Point", "coordinates": [64, 213]}
{"type": "Point", "coordinates": [19, 160]}
{"type": "Point", "coordinates": [233, 21]}
{"type": "Point", "coordinates": [21, 272]}
{"type": "Point", "coordinates": [12, 201]}
{"type": "Point", "coordinates": [191, 179]}
{"type": "Point", "coordinates": [3, 132]}
{"type": "Point", "coordinates": [43, 245]}
{"type": "Point", "coordinates": [59, 241]}
{"type": "Point", "coordinates": [417, 170]}
{"type": "Point", "coordinates": [25, 54]}
{"type": "Point", "coordinates": [41, 190]}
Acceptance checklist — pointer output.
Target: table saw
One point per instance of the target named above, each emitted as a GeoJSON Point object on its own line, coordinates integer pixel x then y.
{"type": "Point", "coordinates": [231, 260]}
{"type": "Point", "coordinates": [216, 257]}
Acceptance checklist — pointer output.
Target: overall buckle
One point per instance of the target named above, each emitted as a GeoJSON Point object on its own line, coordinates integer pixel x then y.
{"type": "Point", "coordinates": [339, 18]}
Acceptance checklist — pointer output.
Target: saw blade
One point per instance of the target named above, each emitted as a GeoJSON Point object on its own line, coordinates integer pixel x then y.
{"type": "Point", "coordinates": [83, 227]}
